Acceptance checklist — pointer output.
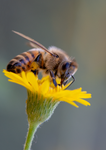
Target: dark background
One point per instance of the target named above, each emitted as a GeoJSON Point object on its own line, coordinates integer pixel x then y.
{"type": "Point", "coordinates": [79, 28]}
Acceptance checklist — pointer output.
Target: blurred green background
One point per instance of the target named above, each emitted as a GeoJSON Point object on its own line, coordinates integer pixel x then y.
{"type": "Point", "coordinates": [79, 28]}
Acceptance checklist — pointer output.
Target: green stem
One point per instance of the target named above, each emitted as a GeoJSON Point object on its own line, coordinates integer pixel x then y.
{"type": "Point", "coordinates": [30, 135]}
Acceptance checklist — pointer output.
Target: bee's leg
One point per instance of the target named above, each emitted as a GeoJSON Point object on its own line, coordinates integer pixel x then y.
{"type": "Point", "coordinates": [38, 58]}
{"type": "Point", "coordinates": [70, 82]}
{"type": "Point", "coordinates": [53, 78]}
{"type": "Point", "coordinates": [65, 82]}
{"type": "Point", "coordinates": [36, 64]}
{"type": "Point", "coordinates": [35, 72]}
{"type": "Point", "coordinates": [73, 79]}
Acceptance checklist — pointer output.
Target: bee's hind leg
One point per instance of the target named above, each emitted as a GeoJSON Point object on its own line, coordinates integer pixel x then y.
{"type": "Point", "coordinates": [53, 78]}
{"type": "Point", "coordinates": [36, 64]}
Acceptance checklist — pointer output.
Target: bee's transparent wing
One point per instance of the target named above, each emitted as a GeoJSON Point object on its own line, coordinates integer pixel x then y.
{"type": "Point", "coordinates": [33, 43]}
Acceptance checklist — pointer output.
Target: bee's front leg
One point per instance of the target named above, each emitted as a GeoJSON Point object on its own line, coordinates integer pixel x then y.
{"type": "Point", "coordinates": [70, 82]}
{"type": "Point", "coordinates": [53, 78]}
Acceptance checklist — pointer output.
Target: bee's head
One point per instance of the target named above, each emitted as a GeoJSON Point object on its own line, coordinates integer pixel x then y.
{"type": "Point", "coordinates": [68, 69]}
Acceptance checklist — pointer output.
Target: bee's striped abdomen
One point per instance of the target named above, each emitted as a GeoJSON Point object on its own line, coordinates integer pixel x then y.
{"type": "Point", "coordinates": [21, 62]}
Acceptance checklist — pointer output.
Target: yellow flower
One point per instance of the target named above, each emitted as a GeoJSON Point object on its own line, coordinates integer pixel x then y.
{"type": "Point", "coordinates": [45, 88]}
{"type": "Point", "coordinates": [43, 97]}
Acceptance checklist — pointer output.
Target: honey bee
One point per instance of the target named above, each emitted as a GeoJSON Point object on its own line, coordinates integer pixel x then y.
{"type": "Point", "coordinates": [52, 61]}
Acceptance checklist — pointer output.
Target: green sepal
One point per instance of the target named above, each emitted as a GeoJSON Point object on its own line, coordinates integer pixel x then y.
{"type": "Point", "coordinates": [39, 108]}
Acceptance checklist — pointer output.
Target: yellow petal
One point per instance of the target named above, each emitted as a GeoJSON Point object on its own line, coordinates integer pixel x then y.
{"type": "Point", "coordinates": [72, 103]}
{"type": "Point", "coordinates": [73, 95]}
{"type": "Point", "coordinates": [32, 79]}
{"type": "Point", "coordinates": [84, 102]}
{"type": "Point", "coordinates": [45, 87]}
{"type": "Point", "coordinates": [12, 75]}
{"type": "Point", "coordinates": [24, 77]}
{"type": "Point", "coordinates": [85, 95]}
{"type": "Point", "coordinates": [23, 84]}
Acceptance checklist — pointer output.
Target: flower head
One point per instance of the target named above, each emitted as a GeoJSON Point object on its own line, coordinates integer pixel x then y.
{"type": "Point", "coordinates": [46, 89]}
